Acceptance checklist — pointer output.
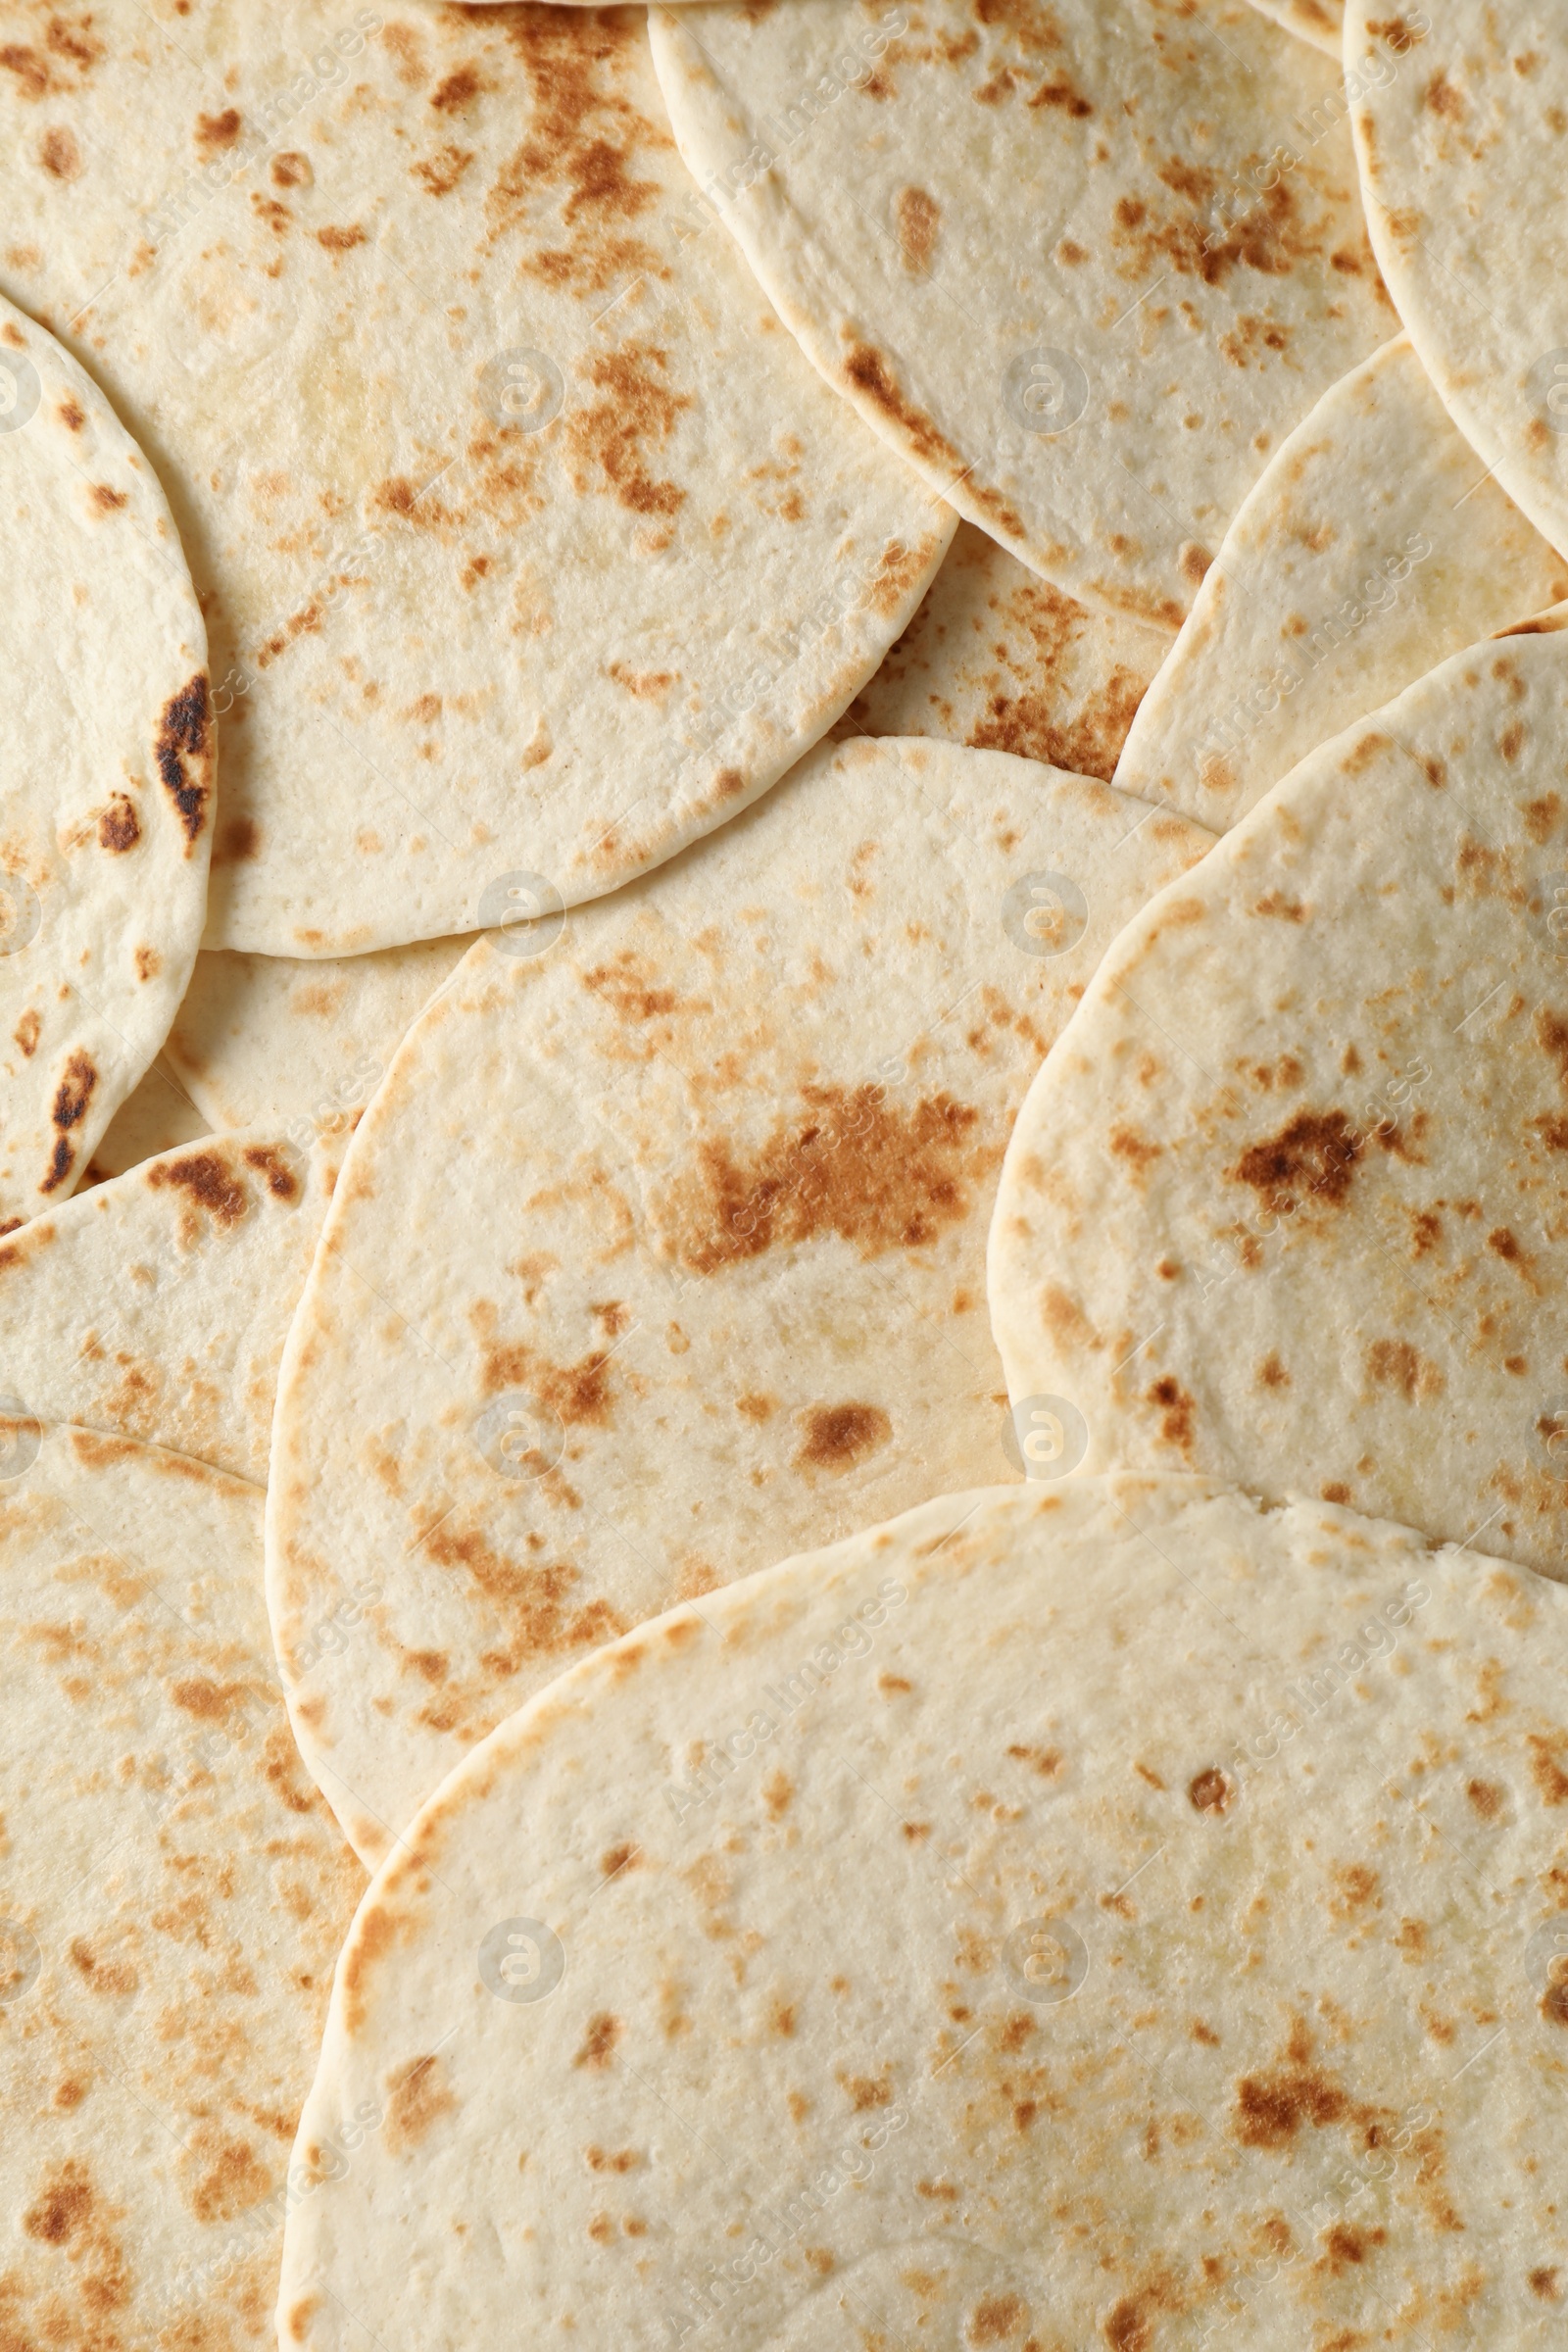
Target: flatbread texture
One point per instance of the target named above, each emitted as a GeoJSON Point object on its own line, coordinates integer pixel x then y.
{"type": "Point", "coordinates": [1285, 1202]}
{"type": "Point", "coordinates": [1000, 659]}
{"type": "Point", "coordinates": [1059, 1917]}
{"type": "Point", "coordinates": [660, 1249]}
{"type": "Point", "coordinates": [1019, 242]}
{"type": "Point", "coordinates": [109, 771]}
{"type": "Point", "coordinates": [157, 1116]}
{"type": "Point", "coordinates": [156, 1306]}
{"type": "Point", "coordinates": [303, 1045]}
{"type": "Point", "coordinates": [1460, 120]}
{"type": "Point", "coordinates": [530, 547]}
{"type": "Point", "coordinates": [1320, 21]}
{"type": "Point", "coordinates": [172, 1893]}
{"type": "Point", "coordinates": [1372, 546]}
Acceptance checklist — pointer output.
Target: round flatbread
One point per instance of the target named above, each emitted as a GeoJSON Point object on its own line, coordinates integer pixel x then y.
{"type": "Point", "coordinates": [1111, 1915]}
{"type": "Point", "coordinates": [660, 1247]}
{"type": "Point", "coordinates": [156, 1305]}
{"type": "Point", "coordinates": [171, 1895]}
{"type": "Point", "coordinates": [108, 775]}
{"type": "Point", "coordinates": [274, 1039]}
{"type": "Point", "coordinates": [1084, 265]}
{"type": "Point", "coordinates": [1458, 122]}
{"type": "Point", "coordinates": [1373, 546]}
{"type": "Point", "coordinates": [1002, 660]}
{"type": "Point", "coordinates": [1284, 1203]}
{"type": "Point", "coordinates": [531, 549]}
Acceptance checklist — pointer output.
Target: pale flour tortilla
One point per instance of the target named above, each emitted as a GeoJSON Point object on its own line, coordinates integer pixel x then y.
{"type": "Point", "coordinates": [104, 831]}
{"type": "Point", "coordinates": [157, 1116]}
{"type": "Point", "coordinates": [1285, 1204]}
{"type": "Point", "coordinates": [302, 1044]}
{"type": "Point", "coordinates": [1320, 21]}
{"type": "Point", "coordinates": [662, 1249]}
{"type": "Point", "coordinates": [1372, 546]}
{"type": "Point", "coordinates": [1092, 1916]}
{"type": "Point", "coordinates": [156, 1305]}
{"type": "Point", "coordinates": [1027, 244]}
{"type": "Point", "coordinates": [1461, 132]}
{"type": "Point", "coordinates": [172, 1893]}
{"type": "Point", "coordinates": [529, 543]}
{"type": "Point", "coordinates": [1002, 660]}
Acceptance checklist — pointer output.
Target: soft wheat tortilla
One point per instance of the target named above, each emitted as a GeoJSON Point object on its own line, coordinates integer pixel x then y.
{"type": "Point", "coordinates": [1027, 243]}
{"type": "Point", "coordinates": [1002, 660]}
{"type": "Point", "coordinates": [1459, 129]}
{"type": "Point", "coordinates": [660, 1249]}
{"type": "Point", "coordinates": [529, 543]}
{"type": "Point", "coordinates": [156, 1305]}
{"type": "Point", "coordinates": [1285, 1202]}
{"type": "Point", "coordinates": [171, 1895]}
{"type": "Point", "coordinates": [1320, 21]}
{"type": "Point", "coordinates": [159, 1116]}
{"type": "Point", "coordinates": [1099, 1915]}
{"type": "Point", "coordinates": [300, 1044]}
{"type": "Point", "coordinates": [108, 774]}
{"type": "Point", "coordinates": [1371, 548]}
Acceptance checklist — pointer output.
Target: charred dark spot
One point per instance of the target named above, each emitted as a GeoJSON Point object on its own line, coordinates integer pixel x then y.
{"type": "Point", "coordinates": [72, 1098]}
{"type": "Point", "coordinates": [185, 754]}
{"type": "Point", "coordinates": [1209, 1791]}
{"type": "Point", "coordinates": [837, 1436]}
{"type": "Point", "coordinates": [208, 1180]}
{"type": "Point", "coordinates": [1314, 1158]}
{"type": "Point", "coordinates": [1272, 2108]}
{"type": "Point", "coordinates": [274, 1168]}
{"type": "Point", "coordinates": [118, 828]}
{"type": "Point", "coordinates": [1177, 1409]}
{"type": "Point", "coordinates": [105, 500]}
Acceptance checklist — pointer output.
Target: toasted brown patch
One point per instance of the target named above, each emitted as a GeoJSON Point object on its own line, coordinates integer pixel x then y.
{"type": "Point", "coordinates": [207, 1180]}
{"type": "Point", "coordinates": [184, 754]}
{"type": "Point", "coordinates": [919, 217]}
{"type": "Point", "coordinates": [274, 1168]}
{"type": "Point", "coordinates": [61, 157]}
{"type": "Point", "coordinates": [599, 2041]}
{"type": "Point", "coordinates": [119, 827]}
{"type": "Point", "coordinates": [1314, 1158]}
{"type": "Point", "coordinates": [1209, 1791]}
{"type": "Point", "coordinates": [416, 2098]}
{"type": "Point", "coordinates": [837, 1436]}
{"type": "Point", "coordinates": [105, 500]}
{"type": "Point", "coordinates": [72, 1098]}
{"type": "Point", "coordinates": [610, 438]}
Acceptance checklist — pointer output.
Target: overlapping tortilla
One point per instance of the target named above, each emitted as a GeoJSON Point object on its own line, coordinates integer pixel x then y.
{"type": "Point", "coordinates": [1286, 1202]}
{"type": "Point", "coordinates": [1111, 1915]}
{"type": "Point", "coordinates": [530, 547]}
{"type": "Point", "coordinates": [1084, 264]}
{"type": "Point", "coordinates": [172, 1892]}
{"type": "Point", "coordinates": [660, 1247]}
{"type": "Point", "coordinates": [105, 833]}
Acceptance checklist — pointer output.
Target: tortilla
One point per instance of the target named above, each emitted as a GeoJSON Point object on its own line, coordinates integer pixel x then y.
{"type": "Point", "coordinates": [1372, 547]}
{"type": "Point", "coordinates": [1458, 131]}
{"type": "Point", "coordinates": [171, 1894]}
{"type": "Point", "coordinates": [1116, 1853]}
{"type": "Point", "coordinates": [156, 1306]}
{"type": "Point", "coordinates": [1003, 662]}
{"type": "Point", "coordinates": [109, 770]}
{"type": "Point", "coordinates": [1031, 246]}
{"type": "Point", "coordinates": [1284, 1204]}
{"type": "Point", "coordinates": [274, 1039]}
{"type": "Point", "coordinates": [660, 1250]}
{"type": "Point", "coordinates": [1320, 21]}
{"type": "Point", "coordinates": [157, 1116]}
{"type": "Point", "coordinates": [531, 549]}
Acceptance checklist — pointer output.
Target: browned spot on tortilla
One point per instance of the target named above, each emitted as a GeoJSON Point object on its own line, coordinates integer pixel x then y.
{"type": "Point", "coordinates": [850, 1165]}
{"type": "Point", "coordinates": [439, 174]}
{"type": "Point", "coordinates": [837, 1436]}
{"type": "Point", "coordinates": [208, 1180]}
{"type": "Point", "coordinates": [1440, 97]}
{"type": "Point", "coordinates": [578, 1395]}
{"type": "Point", "coordinates": [234, 2181]}
{"type": "Point", "coordinates": [1485, 1796]}
{"type": "Point", "coordinates": [458, 90]}
{"type": "Point", "coordinates": [416, 2098]}
{"type": "Point", "coordinates": [1272, 2108]}
{"type": "Point", "coordinates": [72, 1098]}
{"type": "Point", "coordinates": [1177, 1410]}
{"type": "Point", "coordinates": [340, 240]}
{"type": "Point", "coordinates": [149, 963]}
{"type": "Point", "coordinates": [239, 839]}
{"type": "Point", "coordinates": [70, 415]}
{"type": "Point", "coordinates": [1209, 1791]}
{"type": "Point", "coordinates": [1551, 1780]}
{"type": "Point", "coordinates": [118, 828]}
{"type": "Point", "coordinates": [291, 170]}
{"type": "Point", "coordinates": [1396, 1364]}
{"type": "Point", "coordinates": [1544, 2281]}
{"type": "Point", "coordinates": [599, 2041]}
{"type": "Point", "coordinates": [271, 1164]}
{"type": "Point", "coordinates": [1554, 2001]}
{"type": "Point", "coordinates": [60, 156]}
{"type": "Point", "coordinates": [1314, 1158]}
{"type": "Point", "coordinates": [26, 1031]}
{"type": "Point", "coordinates": [919, 217]}
{"type": "Point", "coordinates": [1193, 562]}
{"type": "Point", "coordinates": [897, 569]}
{"type": "Point", "coordinates": [752, 1407]}
{"type": "Point", "coordinates": [868, 372]}
{"type": "Point", "coordinates": [610, 435]}
{"type": "Point", "coordinates": [584, 132]}
{"type": "Point", "coordinates": [185, 754]}
{"type": "Point", "coordinates": [105, 500]}
{"type": "Point", "coordinates": [1540, 816]}
{"type": "Point", "coordinates": [1271, 1373]}
{"type": "Point", "coordinates": [64, 2206]}
{"type": "Point", "coordinates": [214, 132]}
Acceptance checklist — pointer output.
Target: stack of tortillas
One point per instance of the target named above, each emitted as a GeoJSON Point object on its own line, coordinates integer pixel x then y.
{"type": "Point", "coordinates": [782, 1201]}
